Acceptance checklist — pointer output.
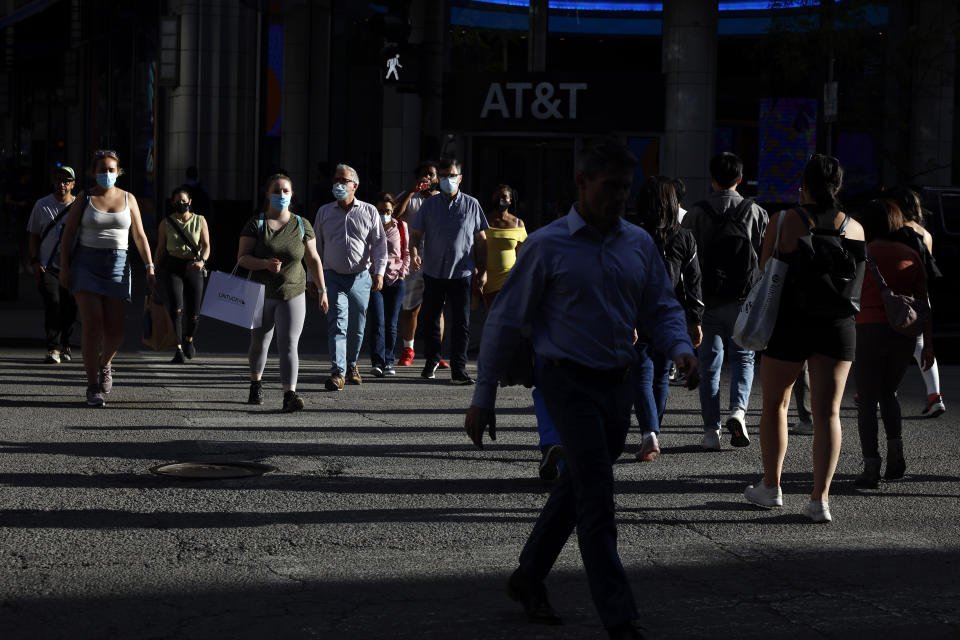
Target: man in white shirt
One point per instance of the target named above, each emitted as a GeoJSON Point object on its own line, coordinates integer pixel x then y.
{"type": "Point", "coordinates": [45, 226]}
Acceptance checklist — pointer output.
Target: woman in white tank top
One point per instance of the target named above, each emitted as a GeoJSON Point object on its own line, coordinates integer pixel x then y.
{"type": "Point", "coordinates": [95, 267]}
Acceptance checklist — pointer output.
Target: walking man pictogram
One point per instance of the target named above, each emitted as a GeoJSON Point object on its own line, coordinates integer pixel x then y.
{"type": "Point", "coordinates": [392, 65]}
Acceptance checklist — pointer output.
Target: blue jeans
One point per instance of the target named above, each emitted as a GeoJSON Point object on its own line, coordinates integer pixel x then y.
{"type": "Point", "coordinates": [384, 311]}
{"type": "Point", "coordinates": [547, 432]}
{"type": "Point", "coordinates": [717, 331]}
{"type": "Point", "coordinates": [592, 416]}
{"type": "Point", "coordinates": [349, 295]}
{"type": "Point", "coordinates": [651, 383]}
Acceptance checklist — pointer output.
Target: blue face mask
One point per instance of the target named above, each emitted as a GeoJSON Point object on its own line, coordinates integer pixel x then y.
{"type": "Point", "coordinates": [279, 201]}
{"type": "Point", "coordinates": [448, 185]}
{"type": "Point", "coordinates": [106, 180]}
{"type": "Point", "coordinates": [339, 191]}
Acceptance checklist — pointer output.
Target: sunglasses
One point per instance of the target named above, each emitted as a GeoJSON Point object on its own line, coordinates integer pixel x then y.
{"type": "Point", "coordinates": [105, 153]}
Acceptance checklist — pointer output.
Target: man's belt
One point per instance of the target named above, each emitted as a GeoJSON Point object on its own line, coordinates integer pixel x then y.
{"type": "Point", "coordinates": [606, 376]}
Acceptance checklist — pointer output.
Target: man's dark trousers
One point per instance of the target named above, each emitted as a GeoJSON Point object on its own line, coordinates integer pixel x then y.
{"type": "Point", "coordinates": [591, 412]}
{"type": "Point", "coordinates": [59, 311]}
{"type": "Point", "coordinates": [455, 293]}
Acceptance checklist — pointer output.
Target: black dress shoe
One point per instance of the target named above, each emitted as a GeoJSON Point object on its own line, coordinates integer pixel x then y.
{"type": "Point", "coordinates": [625, 631]}
{"type": "Point", "coordinates": [533, 596]}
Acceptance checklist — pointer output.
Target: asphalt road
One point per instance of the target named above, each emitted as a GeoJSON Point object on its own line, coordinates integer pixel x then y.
{"type": "Point", "coordinates": [381, 520]}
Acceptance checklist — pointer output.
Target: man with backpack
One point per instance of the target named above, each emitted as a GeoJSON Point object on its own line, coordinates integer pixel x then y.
{"type": "Point", "coordinates": [729, 232]}
{"type": "Point", "coordinates": [45, 226]}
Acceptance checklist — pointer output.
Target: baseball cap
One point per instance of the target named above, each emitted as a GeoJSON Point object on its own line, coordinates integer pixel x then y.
{"type": "Point", "coordinates": [67, 170]}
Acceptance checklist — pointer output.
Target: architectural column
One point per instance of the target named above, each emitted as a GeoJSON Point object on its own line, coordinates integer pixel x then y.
{"type": "Point", "coordinates": [690, 69]}
{"type": "Point", "coordinates": [209, 114]}
{"type": "Point", "coordinates": [295, 130]}
{"type": "Point", "coordinates": [319, 114]}
{"type": "Point", "coordinates": [932, 113]}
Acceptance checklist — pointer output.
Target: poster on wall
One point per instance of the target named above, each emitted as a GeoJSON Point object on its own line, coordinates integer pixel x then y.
{"type": "Point", "coordinates": [788, 136]}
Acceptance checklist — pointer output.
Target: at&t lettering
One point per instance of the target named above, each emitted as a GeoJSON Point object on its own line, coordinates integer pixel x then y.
{"type": "Point", "coordinates": [542, 103]}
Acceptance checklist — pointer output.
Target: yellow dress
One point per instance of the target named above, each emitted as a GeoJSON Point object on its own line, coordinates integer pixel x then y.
{"type": "Point", "coordinates": [501, 255]}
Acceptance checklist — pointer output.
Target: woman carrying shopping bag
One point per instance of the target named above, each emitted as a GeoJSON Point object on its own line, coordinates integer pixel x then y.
{"type": "Point", "coordinates": [273, 246]}
{"type": "Point", "coordinates": [825, 253]}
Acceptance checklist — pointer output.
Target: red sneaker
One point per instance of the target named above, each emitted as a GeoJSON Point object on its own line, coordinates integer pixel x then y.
{"type": "Point", "coordinates": [406, 357]}
{"type": "Point", "coordinates": [443, 364]}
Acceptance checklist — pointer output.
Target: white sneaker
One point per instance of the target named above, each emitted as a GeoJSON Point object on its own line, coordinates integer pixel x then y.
{"type": "Point", "coordinates": [818, 511]}
{"type": "Point", "coordinates": [935, 406]}
{"type": "Point", "coordinates": [763, 496]}
{"type": "Point", "coordinates": [650, 448]}
{"type": "Point", "coordinates": [802, 428]}
{"type": "Point", "coordinates": [738, 429]}
{"type": "Point", "coordinates": [711, 440]}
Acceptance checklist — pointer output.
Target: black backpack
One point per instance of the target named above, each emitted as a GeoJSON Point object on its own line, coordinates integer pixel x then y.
{"type": "Point", "coordinates": [730, 263]}
{"type": "Point", "coordinates": [828, 268]}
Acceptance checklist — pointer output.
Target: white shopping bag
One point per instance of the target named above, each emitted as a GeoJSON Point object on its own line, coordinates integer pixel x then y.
{"type": "Point", "coordinates": [238, 301]}
{"type": "Point", "coordinates": [758, 315]}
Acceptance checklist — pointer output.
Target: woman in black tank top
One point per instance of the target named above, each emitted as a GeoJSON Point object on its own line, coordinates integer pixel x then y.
{"type": "Point", "coordinates": [822, 338]}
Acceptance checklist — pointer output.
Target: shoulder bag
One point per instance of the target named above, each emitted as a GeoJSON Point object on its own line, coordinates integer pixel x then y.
{"type": "Point", "coordinates": [906, 314]}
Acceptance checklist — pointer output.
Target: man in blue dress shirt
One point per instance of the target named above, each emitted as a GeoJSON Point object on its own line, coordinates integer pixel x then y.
{"type": "Point", "coordinates": [580, 288]}
{"type": "Point", "coordinates": [452, 227]}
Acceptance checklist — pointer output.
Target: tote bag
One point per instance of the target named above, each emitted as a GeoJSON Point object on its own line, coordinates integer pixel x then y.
{"type": "Point", "coordinates": [238, 301]}
{"type": "Point", "coordinates": [158, 333]}
{"type": "Point", "coordinates": [758, 315]}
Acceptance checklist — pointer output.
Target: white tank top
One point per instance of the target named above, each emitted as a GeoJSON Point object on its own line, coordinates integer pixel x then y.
{"type": "Point", "coordinates": [103, 230]}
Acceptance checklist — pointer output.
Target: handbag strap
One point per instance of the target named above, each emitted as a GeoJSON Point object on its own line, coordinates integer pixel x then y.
{"type": "Point", "coordinates": [875, 270]}
{"type": "Point", "coordinates": [183, 236]}
{"type": "Point", "coordinates": [776, 244]}
{"type": "Point", "coordinates": [49, 228]}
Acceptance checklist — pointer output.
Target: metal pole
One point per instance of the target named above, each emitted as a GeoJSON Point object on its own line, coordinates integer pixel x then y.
{"type": "Point", "coordinates": [829, 145]}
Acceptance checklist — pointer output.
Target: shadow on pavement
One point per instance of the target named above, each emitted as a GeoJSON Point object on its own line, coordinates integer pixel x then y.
{"type": "Point", "coordinates": [836, 594]}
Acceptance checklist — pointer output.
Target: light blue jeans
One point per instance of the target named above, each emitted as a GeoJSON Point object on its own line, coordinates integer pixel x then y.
{"type": "Point", "coordinates": [717, 331]}
{"type": "Point", "coordinates": [349, 295]}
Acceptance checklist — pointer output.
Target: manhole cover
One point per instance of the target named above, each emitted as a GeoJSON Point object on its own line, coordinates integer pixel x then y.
{"type": "Point", "coordinates": [212, 470]}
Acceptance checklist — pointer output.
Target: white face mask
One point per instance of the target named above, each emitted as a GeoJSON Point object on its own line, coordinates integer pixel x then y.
{"type": "Point", "coordinates": [448, 185]}
{"type": "Point", "coordinates": [386, 218]}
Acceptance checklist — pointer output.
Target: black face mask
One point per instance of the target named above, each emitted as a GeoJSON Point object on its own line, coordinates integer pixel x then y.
{"type": "Point", "coordinates": [501, 204]}
{"type": "Point", "coordinates": [183, 207]}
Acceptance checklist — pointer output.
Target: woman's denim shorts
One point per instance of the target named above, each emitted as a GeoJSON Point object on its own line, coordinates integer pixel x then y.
{"type": "Point", "coordinates": [101, 271]}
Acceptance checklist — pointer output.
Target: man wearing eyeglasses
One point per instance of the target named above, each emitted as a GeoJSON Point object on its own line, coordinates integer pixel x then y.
{"type": "Point", "coordinates": [45, 226]}
{"type": "Point", "coordinates": [452, 226]}
{"type": "Point", "coordinates": [350, 238]}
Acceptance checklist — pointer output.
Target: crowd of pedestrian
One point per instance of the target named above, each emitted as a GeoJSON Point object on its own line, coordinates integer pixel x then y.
{"type": "Point", "coordinates": [593, 311]}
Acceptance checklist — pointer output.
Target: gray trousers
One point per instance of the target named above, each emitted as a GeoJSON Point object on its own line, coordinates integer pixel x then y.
{"type": "Point", "coordinates": [286, 317]}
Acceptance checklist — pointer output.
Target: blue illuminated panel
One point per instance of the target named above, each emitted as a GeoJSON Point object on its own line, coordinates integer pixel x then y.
{"type": "Point", "coordinates": [735, 5]}
{"type": "Point", "coordinates": [753, 18]}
